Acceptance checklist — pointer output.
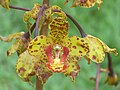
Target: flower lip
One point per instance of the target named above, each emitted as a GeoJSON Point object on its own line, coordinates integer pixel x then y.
{"type": "Point", "coordinates": [56, 58]}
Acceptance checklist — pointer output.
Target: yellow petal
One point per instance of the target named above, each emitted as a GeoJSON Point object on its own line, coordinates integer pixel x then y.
{"type": "Point", "coordinates": [13, 48]}
{"type": "Point", "coordinates": [73, 68]}
{"type": "Point", "coordinates": [107, 49]}
{"type": "Point", "coordinates": [58, 30]}
{"type": "Point", "coordinates": [32, 13]}
{"type": "Point", "coordinates": [77, 46]}
{"type": "Point", "coordinates": [97, 49]}
{"type": "Point", "coordinates": [11, 37]}
{"type": "Point", "coordinates": [85, 3]}
{"type": "Point", "coordinates": [43, 72]}
{"type": "Point", "coordinates": [27, 16]}
{"type": "Point", "coordinates": [19, 45]}
{"type": "Point", "coordinates": [37, 45]}
{"type": "Point", "coordinates": [25, 66]}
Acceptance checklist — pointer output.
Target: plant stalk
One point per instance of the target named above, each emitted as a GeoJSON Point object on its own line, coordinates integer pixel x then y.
{"type": "Point", "coordinates": [38, 20]}
{"type": "Point", "coordinates": [43, 31]}
{"type": "Point", "coordinates": [110, 66]}
{"type": "Point", "coordinates": [39, 85]}
{"type": "Point", "coordinates": [18, 8]}
{"type": "Point", "coordinates": [97, 77]}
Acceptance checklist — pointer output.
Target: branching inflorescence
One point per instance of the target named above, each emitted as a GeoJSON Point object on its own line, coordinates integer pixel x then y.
{"type": "Point", "coordinates": [52, 50]}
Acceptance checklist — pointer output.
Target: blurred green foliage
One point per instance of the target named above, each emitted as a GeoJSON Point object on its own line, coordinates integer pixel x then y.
{"type": "Point", "coordinates": [104, 24]}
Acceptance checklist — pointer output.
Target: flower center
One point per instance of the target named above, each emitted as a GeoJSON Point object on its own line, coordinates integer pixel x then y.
{"type": "Point", "coordinates": [57, 56]}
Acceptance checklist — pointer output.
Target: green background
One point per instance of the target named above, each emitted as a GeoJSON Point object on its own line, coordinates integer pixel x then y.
{"type": "Point", "coordinates": [104, 24]}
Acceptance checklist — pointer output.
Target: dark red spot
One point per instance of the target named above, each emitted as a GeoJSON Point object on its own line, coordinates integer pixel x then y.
{"type": "Point", "coordinates": [35, 39]}
{"type": "Point", "coordinates": [73, 74]}
{"type": "Point", "coordinates": [38, 43]}
{"type": "Point", "coordinates": [32, 74]}
{"type": "Point", "coordinates": [94, 57]}
{"type": "Point", "coordinates": [77, 38]}
{"type": "Point", "coordinates": [21, 70]}
{"type": "Point", "coordinates": [30, 47]}
{"type": "Point", "coordinates": [35, 50]}
{"type": "Point", "coordinates": [67, 42]}
{"type": "Point", "coordinates": [80, 51]}
{"type": "Point", "coordinates": [74, 47]}
{"type": "Point", "coordinates": [82, 46]}
{"type": "Point", "coordinates": [73, 66]}
{"type": "Point", "coordinates": [36, 66]}
{"type": "Point", "coordinates": [41, 37]}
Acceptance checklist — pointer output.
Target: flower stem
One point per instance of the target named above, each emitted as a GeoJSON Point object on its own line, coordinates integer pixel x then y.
{"type": "Point", "coordinates": [110, 66]}
{"type": "Point", "coordinates": [44, 27]}
{"type": "Point", "coordinates": [18, 8]}
{"type": "Point", "coordinates": [38, 20]}
{"type": "Point", "coordinates": [97, 77]}
{"type": "Point", "coordinates": [43, 31]}
{"type": "Point", "coordinates": [83, 34]}
{"type": "Point", "coordinates": [39, 85]}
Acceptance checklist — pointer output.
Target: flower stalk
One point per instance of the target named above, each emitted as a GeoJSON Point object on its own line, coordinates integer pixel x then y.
{"type": "Point", "coordinates": [18, 8]}
{"type": "Point", "coordinates": [97, 77]}
{"type": "Point", "coordinates": [110, 66]}
{"type": "Point", "coordinates": [38, 20]}
{"type": "Point", "coordinates": [43, 31]}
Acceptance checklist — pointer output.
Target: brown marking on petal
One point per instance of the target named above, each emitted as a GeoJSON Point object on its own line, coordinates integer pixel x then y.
{"type": "Point", "coordinates": [85, 50]}
{"type": "Point", "coordinates": [82, 40]}
{"type": "Point", "coordinates": [77, 38]}
{"type": "Point", "coordinates": [32, 74]}
{"type": "Point", "coordinates": [82, 46]}
{"type": "Point", "coordinates": [94, 57]}
{"type": "Point", "coordinates": [73, 74]}
{"type": "Point", "coordinates": [73, 66]}
{"type": "Point", "coordinates": [35, 39]}
{"type": "Point", "coordinates": [74, 47]}
{"type": "Point", "coordinates": [38, 43]}
{"type": "Point", "coordinates": [21, 70]}
{"type": "Point", "coordinates": [67, 42]}
{"type": "Point", "coordinates": [35, 50]}
{"type": "Point", "coordinates": [80, 51]}
{"type": "Point", "coordinates": [30, 47]}
{"type": "Point", "coordinates": [41, 37]}
{"type": "Point", "coordinates": [97, 60]}
{"type": "Point", "coordinates": [36, 66]}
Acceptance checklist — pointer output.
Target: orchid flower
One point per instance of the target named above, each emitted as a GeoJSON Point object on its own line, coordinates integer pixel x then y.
{"type": "Point", "coordinates": [85, 3]}
{"type": "Point", "coordinates": [58, 52]}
